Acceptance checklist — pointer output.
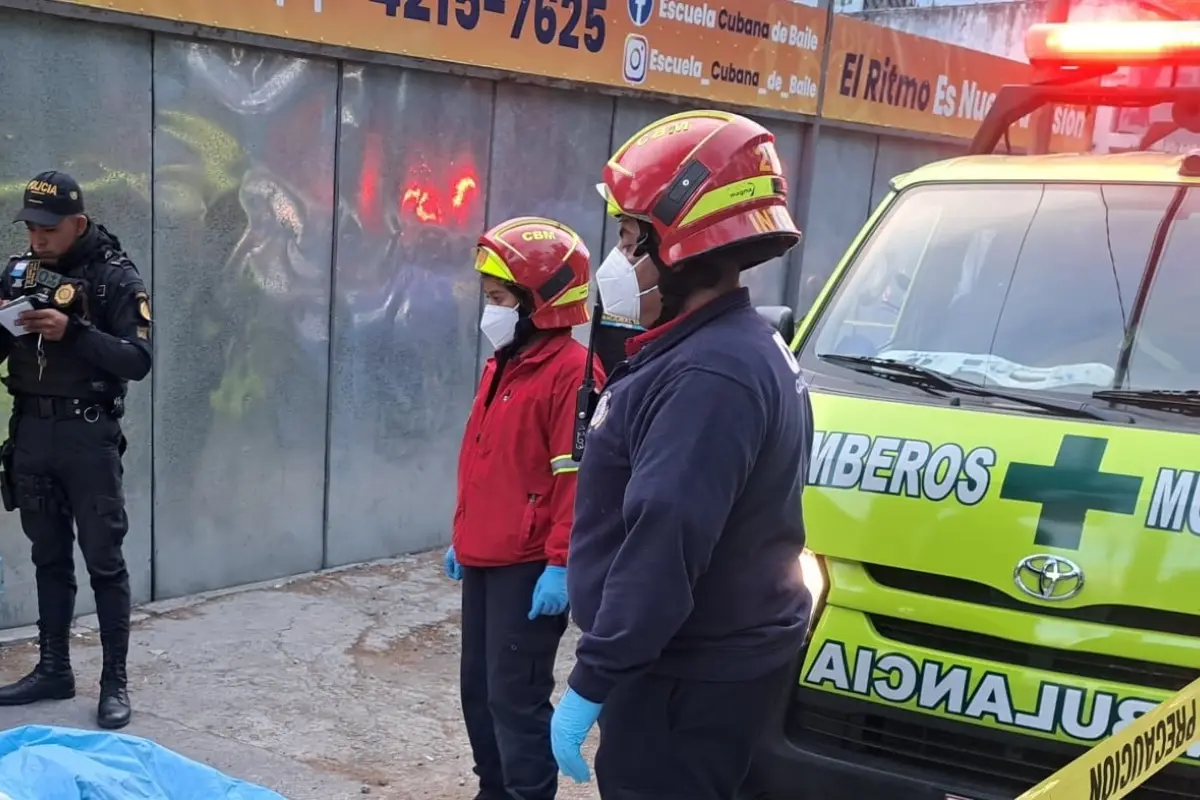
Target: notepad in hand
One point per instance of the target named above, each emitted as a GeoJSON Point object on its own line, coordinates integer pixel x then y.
{"type": "Point", "coordinates": [10, 312]}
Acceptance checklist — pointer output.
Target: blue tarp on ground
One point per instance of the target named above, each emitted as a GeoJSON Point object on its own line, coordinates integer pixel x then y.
{"type": "Point", "coordinates": [38, 762]}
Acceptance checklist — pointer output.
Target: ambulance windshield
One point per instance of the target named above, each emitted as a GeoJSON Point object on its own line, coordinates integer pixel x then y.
{"type": "Point", "coordinates": [1027, 286]}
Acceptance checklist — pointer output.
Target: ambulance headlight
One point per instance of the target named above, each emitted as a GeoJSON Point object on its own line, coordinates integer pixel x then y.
{"type": "Point", "coordinates": [812, 572]}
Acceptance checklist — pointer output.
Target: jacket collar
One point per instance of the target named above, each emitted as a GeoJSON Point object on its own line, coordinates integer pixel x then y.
{"type": "Point", "coordinates": [646, 346]}
{"type": "Point", "coordinates": [543, 348]}
{"type": "Point", "coordinates": [81, 252]}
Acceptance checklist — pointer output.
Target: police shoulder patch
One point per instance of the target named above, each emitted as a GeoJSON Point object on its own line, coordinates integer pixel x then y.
{"type": "Point", "coordinates": [143, 305]}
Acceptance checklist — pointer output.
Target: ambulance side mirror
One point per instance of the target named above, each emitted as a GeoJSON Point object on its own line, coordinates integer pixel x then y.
{"type": "Point", "coordinates": [780, 318]}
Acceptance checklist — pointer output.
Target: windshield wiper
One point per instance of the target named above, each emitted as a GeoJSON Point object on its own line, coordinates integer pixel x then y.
{"type": "Point", "coordinates": [938, 382]}
{"type": "Point", "coordinates": [1177, 401]}
{"type": "Point", "coordinates": [898, 371]}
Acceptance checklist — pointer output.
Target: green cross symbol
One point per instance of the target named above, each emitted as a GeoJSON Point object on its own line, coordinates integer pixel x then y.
{"type": "Point", "coordinates": [1069, 489]}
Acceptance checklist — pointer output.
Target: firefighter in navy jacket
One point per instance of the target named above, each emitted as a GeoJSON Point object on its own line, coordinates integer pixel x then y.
{"type": "Point", "coordinates": [516, 494]}
{"type": "Point", "coordinates": [685, 578]}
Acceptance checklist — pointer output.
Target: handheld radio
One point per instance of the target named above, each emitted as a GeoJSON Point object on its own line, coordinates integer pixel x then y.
{"type": "Point", "coordinates": [586, 398]}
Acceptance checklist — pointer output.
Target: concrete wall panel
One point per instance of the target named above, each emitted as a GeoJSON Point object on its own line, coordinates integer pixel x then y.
{"type": "Point", "coordinates": [412, 167]}
{"type": "Point", "coordinates": [548, 147]}
{"type": "Point", "coordinates": [841, 201]}
{"type": "Point", "coordinates": [244, 195]}
{"type": "Point", "coordinates": [897, 156]}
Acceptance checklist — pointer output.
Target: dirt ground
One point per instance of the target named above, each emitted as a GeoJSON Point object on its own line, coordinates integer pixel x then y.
{"type": "Point", "coordinates": [338, 685]}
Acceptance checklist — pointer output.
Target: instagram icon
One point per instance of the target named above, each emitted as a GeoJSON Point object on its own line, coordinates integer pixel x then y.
{"type": "Point", "coordinates": [637, 54]}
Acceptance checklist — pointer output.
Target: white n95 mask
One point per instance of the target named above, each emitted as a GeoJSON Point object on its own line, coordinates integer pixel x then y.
{"type": "Point", "coordinates": [619, 292]}
{"type": "Point", "coordinates": [499, 324]}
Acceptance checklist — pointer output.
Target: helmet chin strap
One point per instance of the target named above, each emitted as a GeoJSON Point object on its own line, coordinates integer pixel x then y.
{"type": "Point", "coordinates": [674, 286]}
{"type": "Point", "coordinates": [522, 334]}
{"type": "Point", "coordinates": [674, 289]}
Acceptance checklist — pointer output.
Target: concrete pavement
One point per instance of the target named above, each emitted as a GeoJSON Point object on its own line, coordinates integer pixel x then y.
{"type": "Point", "coordinates": [342, 684]}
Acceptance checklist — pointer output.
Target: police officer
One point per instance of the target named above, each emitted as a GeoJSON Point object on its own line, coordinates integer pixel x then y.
{"type": "Point", "coordinates": [86, 335]}
{"type": "Point", "coordinates": [688, 527]}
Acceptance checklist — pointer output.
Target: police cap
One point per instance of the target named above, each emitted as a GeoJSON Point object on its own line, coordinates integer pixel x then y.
{"type": "Point", "coordinates": [49, 197]}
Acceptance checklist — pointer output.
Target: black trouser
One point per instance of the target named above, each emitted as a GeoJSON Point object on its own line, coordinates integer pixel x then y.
{"type": "Point", "coordinates": [673, 739]}
{"type": "Point", "coordinates": [67, 467]}
{"type": "Point", "coordinates": [507, 677]}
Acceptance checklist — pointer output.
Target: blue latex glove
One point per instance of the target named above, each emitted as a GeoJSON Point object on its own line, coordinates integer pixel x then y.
{"type": "Point", "coordinates": [451, 566]}
{"type": "Point", "coordinates": [569, 726]}
{"type": "Point", "coordinates": [550, 593]}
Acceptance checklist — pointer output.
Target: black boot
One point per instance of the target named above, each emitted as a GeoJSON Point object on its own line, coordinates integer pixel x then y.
{"type": "Point", "coordinates": [114, 710]}
{"type": "Point", "coordinates": [51, 679]}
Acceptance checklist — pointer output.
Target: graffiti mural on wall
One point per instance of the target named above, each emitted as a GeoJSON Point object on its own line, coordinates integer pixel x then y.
{"type": "Point", "coordinates": [275, 272]}
{"type": "Point", "coordinates": [411, 206]}
{"type": "Point", "coordinates": [413, 164]}
{"type": "Point", "coordinates": [243, 230]}
{"type": "Point", "coordinates": [282, 255]}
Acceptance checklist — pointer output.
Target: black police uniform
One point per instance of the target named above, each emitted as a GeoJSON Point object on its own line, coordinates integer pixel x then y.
{"type": "Point", "coordinates": [63, 457]}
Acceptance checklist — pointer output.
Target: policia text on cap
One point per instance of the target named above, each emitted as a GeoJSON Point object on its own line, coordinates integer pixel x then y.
{"type": "Point", "coordinates": [88, 335]}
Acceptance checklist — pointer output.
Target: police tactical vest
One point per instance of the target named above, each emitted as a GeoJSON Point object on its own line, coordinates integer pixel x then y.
{"type": "Point", "coordinates": [82, 293]}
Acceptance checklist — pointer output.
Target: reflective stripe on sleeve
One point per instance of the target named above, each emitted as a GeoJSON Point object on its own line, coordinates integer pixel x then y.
{"type": "Point", "coordinates": [563, 464]}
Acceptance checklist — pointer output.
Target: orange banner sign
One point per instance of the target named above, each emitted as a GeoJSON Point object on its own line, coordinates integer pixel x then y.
{"type": "Point", "coordinates": [879, 76]}
{"type": "Point", "coordinates": [754, 53]}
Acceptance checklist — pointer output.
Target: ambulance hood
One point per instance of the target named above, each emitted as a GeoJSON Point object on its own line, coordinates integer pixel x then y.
{"type": "Point", "coordinates": [1099, 519]}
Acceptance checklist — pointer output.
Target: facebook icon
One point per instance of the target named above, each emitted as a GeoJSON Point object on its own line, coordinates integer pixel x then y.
{"type": "Point", "coordinates": [640, 11]}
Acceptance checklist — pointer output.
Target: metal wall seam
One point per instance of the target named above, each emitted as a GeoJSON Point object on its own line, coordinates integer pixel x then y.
{"type": "Point", "coordinates": [333, 271]}
{"type": "Point", "coordinates": [154, 339]}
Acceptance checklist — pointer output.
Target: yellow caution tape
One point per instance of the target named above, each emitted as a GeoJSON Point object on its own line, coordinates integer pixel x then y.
{"type": "Point", "coordinates": [1120, 763]}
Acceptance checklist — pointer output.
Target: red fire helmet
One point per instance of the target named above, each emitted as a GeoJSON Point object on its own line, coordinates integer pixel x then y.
{"type": "Point", "coordinates": [547, 259]}
{"type": "Point", "coordinates": [710, 183]}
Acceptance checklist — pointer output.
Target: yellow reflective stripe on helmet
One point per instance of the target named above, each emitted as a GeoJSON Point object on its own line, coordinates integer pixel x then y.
{"type": "Point", "coordinates": [576, 295]}
{"type": "Point", "coordinates": [613, 210]}
{"type": "Point", "coordinates": [488, 263]}
{"type": "Point", "coordinates": [730, 195]}
{"type": "Point", "coordinates": [560, 465]}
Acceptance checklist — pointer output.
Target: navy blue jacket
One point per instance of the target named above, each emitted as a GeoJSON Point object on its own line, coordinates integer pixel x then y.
{"type": "Point", "coordinates": [688, 527]}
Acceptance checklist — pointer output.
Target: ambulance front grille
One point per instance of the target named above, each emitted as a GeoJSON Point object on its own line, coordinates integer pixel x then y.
{"type": "Point", "coordinates": [967, 591]}
{"type": "Point", "coordinates": [1132, 671]}
{"type": "Point", "coordinates": [940, 750]}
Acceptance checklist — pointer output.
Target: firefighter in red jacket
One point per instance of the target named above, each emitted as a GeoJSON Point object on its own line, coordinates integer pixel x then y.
{"type": "Point", "coordinates": [516, 496]}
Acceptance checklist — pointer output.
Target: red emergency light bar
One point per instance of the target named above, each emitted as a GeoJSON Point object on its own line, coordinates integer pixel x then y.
{"type": "Point", "coordinates": [1128, 43]}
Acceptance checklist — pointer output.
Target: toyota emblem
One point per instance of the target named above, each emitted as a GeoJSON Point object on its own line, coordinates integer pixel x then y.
{"type": "Point", "coordinates": [1048, 577]}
